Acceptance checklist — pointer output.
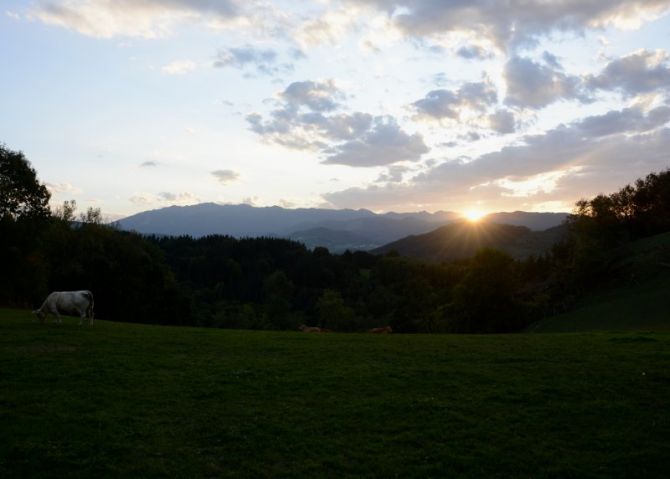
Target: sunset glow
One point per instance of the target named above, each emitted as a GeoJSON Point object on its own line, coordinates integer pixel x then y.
{"type": "Point", "coordinates": [388, 106]}
{"type": "Point", "coordinates": [474, 215]}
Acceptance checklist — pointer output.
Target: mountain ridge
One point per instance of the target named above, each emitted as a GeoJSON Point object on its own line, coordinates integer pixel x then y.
{"type": "Point", "coordinates": [336, 229]}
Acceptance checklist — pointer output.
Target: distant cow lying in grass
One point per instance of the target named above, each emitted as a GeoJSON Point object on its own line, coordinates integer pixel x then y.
{"type": "Point", "coordinates": [384, 330]}
{"type": "Point", "coordinates": [79, 303]}
{"type": "Point", "coordinates": [313, 329]}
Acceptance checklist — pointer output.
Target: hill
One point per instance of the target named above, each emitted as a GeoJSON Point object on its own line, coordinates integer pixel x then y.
{"type": "Point", "coordinates": [462, 240]}
{"type": "Point", "coordinates": [533, 221]}
{"type": "Point", "coordinates": [128, 400]}
{"type": "Point", "coordinates": [337, 229]}
{"type": "Point", "coordinates": [633, 296]}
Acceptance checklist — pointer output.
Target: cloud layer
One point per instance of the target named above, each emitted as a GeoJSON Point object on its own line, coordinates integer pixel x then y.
{"type": "Point", "coordinates": [309, 116]}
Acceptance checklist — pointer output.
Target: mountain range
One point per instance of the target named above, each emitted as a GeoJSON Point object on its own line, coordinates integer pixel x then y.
{"type": "Point", "coordinates": [337, 230]}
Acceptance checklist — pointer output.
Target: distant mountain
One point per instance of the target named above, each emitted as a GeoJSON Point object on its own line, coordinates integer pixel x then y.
{"type": "Point", "coordinates": [234, 220]}
{"type": "Point", "coordinates": [462, 240]}
{"type": "Point", "coordinates": [337, 230]}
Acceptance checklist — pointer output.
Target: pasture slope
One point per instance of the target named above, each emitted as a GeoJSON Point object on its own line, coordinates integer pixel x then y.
{"type": "Point", "coordinates": [636, 295]}
{"type": "Point", "coordinates": [126, 400]}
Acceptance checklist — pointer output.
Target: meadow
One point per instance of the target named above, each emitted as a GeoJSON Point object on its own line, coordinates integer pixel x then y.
{"type": "Point", "coordinates": [129, 400]}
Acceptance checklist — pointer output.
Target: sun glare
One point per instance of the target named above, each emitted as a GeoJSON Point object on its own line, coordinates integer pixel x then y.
{"type": "Point", "coordinates": [474, 215]}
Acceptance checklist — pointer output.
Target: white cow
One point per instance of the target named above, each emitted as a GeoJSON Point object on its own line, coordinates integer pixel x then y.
{"type": "Point", "coordinates": [67, 302]}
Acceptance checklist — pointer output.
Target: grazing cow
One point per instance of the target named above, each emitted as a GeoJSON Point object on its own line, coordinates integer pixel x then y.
{"type": "Point", "coordinates": [384, 330]}
{"type": "Point", "coordinates": [67, 302]}
{"type": "Point", "coordinates": [313, 329]}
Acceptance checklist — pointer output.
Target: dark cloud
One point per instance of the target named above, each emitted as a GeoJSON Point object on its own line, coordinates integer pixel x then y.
{"type": "Point", "coordinates": [393, 174]}
{"type": "Point", "coordinates": [598, 153]}
{"type": "Point", "coordinates": [502, 121]}
{"type": "Point", "coordinates": [384, 143]}
{"type": "Point", "coordinates": [149, 164]}
{"type": "Point", "coordinates": [226, 176]}
{"type": "Point", "coordinates": [535, 85]}
{"type": "Point", "coordinates": [438, 104]}
{"type": "Point", "coordinates": [640, 72]}
{"type": "Point", "coordinates": [512, 23]}
{"type": "Point", "coordinates": [317, 96]}
{"type": "Point", "coordinates": [474, 52]}
{"type": "Point", "coordinates": [263, 60]}
{"type": "Point", "coordinates": [307, 118]}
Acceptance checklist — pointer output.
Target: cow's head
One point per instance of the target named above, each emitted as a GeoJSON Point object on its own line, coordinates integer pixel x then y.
{"type": "Point", "coordinates": [40, 315]}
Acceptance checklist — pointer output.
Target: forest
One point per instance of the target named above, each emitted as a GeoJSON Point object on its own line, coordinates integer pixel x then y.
{"type": "Point", "coordinates": [279, 284]}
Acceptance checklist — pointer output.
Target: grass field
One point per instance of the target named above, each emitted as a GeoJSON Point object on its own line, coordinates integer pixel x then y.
{"type": "Point", "coordinates": [635, 298]}
{"type": "Point", "coordinates": [122, 400]}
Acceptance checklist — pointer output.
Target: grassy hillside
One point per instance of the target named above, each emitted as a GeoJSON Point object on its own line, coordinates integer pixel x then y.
{"type": "Point", "coordinates": [463, 239]}
{"type": "Point", "coordinates": [125, 400]}
{"type": "Point", "coordinates": [635, 297]}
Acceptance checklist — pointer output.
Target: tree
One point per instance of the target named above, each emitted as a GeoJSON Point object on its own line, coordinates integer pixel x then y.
{"type": "Point", "coordinates": [21, 194]}
{"type": "Point", "coordinates": [334, 313]}
{"type": "Point", "coordinates": [486, 300]}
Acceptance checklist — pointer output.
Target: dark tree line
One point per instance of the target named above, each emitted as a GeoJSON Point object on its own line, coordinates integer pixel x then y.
{"type": "Point", "coordinates": [270, 283]}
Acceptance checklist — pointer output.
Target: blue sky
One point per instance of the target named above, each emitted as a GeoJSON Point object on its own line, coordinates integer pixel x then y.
{"type": "Point", "coordinates": [130, 105]}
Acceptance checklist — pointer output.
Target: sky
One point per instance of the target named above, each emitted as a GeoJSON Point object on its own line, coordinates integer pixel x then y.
{"type": "Point", "coordinates": [389, 105]}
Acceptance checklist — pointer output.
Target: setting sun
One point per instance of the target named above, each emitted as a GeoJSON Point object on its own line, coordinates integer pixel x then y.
{"type": "Point", "coordinates": [474, 215]}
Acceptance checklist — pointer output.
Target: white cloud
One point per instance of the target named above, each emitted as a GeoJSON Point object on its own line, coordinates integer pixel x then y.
{"type": "Point", "coordinates": [62, 188]}
{"type": "Point", "coordinates": [131, 18]}
{"type": "Point", "coordinates": [179, 67]}
{"type": "Point", "coordinates": [164, 198]}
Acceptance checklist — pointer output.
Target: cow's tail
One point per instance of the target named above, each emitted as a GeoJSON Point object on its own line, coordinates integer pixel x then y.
{"type": "Point", "coordinates": [89, 310]}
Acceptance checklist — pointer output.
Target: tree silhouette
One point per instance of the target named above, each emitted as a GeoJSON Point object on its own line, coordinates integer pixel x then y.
{"type": "Point", "coordinates": [21, 194]}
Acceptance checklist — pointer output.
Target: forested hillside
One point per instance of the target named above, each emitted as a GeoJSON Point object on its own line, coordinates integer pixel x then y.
{"type": "Point", "coordinates": [269, 283]}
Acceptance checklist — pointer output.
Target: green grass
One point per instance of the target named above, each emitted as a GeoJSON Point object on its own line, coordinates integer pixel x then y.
{"type": "Point", "coordinates": [638, 307]}
{"type": "Point", "coordinates": [122, 400]}
{"type": "Point", "coordinates": [635, 298]}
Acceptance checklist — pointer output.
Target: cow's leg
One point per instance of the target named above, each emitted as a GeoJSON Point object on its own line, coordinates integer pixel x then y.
{"type": "Point", "coordinates": [60, 321]}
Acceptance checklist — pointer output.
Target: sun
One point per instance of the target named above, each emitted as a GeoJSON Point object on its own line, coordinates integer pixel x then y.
{"type": "Point", "coordinates": [474, 215]}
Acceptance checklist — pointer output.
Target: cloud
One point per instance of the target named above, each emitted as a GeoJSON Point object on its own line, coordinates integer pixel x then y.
{"type": "Point", "coordinates": [131, 18]}
{"type": "Point", "coordinates": [317, 96]}
{"type": "Point", "coordinates": [596, 154]}
{"type": "Point", "coordinates": [308, 118]}
{"type": "Point", "coordinates": [164, 197]}
{"type": "Point", "coordinates": [59, 188]}
{"type": "Point", "coordinates": [263, 60]}
{"type": "Point", "coordinates": [384, 143]}
{"type": "Point", "coordinates": [226, 176]}
{"type": "Point", "coordinates": [640, 72]}
{"type": "Point", "coordinates": [179, 67]}
{"type": "Point", "coordinates": [439, 104]}
{"type": "Point", "coordinates": [474, 52]}
{"type": "Point", "coordinates": [330, 28]}
{"type": "Point", "coordinates": [502, 121]}
{"type": "Point", "coordinates": [534, 85]}
{"type": "Point", "coordinates": [179, 198]}
{"type": "Point", "coordinates": [149, 164]}
{"type": "Point", "coordinates": [393, 174]}
{"type": "Point", "coordinates": [514, 23]}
